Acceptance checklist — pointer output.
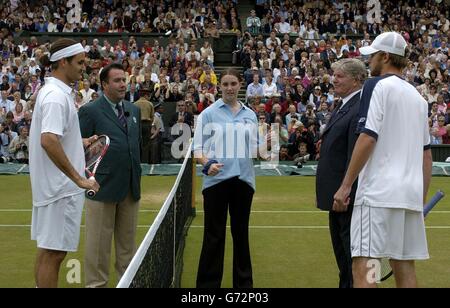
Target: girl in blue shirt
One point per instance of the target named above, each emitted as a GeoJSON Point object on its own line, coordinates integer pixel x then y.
{"type": "Point", "coordinates": [228, 185]}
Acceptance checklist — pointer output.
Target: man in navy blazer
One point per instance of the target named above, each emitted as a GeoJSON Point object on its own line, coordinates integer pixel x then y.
{"type": "Point", "coordinates": [337, 142]}
{"type": "Point", "coordinates": [114, 209]}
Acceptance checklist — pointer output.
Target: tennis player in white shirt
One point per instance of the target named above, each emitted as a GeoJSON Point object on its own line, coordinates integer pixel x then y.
{"type": "Point", "coordinates": [57, 163]}
{"type": "Point", "coordinates": [393, 159]}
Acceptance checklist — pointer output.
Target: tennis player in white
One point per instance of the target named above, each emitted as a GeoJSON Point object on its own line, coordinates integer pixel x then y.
{"type": "Point", "coordinates": [57, 163]}
{"type": "Point", "coordinates": [393, 159]}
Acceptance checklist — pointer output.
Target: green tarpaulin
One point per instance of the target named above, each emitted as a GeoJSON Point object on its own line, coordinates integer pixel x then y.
{"type": "Point", "coordinates": [264, 169]}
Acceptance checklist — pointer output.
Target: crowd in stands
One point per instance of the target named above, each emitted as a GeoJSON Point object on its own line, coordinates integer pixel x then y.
{"type": "Point", "coordinates": [191, 18]}
{"type": "Point", "coordinates": [286, 49]}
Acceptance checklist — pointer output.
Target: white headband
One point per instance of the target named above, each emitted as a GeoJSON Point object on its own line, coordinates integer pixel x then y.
{"type": "Point", "coordinates": [67, 52]}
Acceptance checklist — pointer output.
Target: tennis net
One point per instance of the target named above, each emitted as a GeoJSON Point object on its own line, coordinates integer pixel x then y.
{"type": "Point", "coordinates": [158, 262]}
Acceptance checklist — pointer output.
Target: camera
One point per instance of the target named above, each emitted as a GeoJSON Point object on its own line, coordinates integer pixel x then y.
{"type": "Point", "coordinates": [24, 147]}
{"type": "Point", "coordinates": [299, 161]}
{"type": "Point", "coordinates": [5, 159]}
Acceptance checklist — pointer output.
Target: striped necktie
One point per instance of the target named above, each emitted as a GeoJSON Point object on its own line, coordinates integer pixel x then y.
{"type": "Point", "coordinates": [121, 116]}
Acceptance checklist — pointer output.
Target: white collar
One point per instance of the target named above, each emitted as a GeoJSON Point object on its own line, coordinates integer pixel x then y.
{"type": "Point", "coordinates": [65, 87]}
{"type": "Point", "coordinates": [349, 97]}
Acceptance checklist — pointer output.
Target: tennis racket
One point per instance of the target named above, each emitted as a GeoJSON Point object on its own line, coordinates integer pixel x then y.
{"type": "Point", "coordinates": [93, 156]}
{"type": "Point", "coordinates": [385, 266]}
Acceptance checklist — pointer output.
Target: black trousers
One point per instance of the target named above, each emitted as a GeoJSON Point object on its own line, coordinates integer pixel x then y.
{"type": "Point", "coordinates": [155, 150]}
{"type": "Point", "coordinates": [146, 127]}
{"type": "Point", "coordinates": [340, 238]}
{"type": "Point", "coordinates": [236, 196]}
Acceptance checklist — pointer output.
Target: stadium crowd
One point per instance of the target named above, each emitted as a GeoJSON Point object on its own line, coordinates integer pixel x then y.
{"type": "Point", "coordinates": [286, 49]}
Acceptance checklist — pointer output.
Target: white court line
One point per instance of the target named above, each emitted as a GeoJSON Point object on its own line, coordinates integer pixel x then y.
{"type": "Point", "coordinates": [257, 211]}
{"type": "Point", "coordinates": [251, 227]}
{"type": "Point", "coordinates": [16, 210]}
{"type": "Point", "coordinates": [312, 227]}
{"type": "Point", "coordinates": [29, 210]}
{"type": "Point", "coordinates": [197, 211]}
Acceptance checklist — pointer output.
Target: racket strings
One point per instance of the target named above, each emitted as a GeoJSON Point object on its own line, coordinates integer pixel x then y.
{"type": "Point", "coordinates": [94, 151]}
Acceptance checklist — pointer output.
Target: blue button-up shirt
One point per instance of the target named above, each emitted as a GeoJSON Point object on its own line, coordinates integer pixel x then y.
{"type": "Point", "coordinates": [7, 105]}
{"type": "Point", "coordinates": [228, 138]}
{"type": "Point", "coordinates": [254, 90]}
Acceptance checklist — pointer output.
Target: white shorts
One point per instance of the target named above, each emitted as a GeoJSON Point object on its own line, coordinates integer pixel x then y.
{"type": "Point", "coordinates": [397, 234]}
{"type": "Point", "coordinates": [57, 225]}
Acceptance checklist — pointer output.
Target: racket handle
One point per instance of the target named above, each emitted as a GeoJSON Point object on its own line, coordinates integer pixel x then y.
{"type": "Point", "coordinates": [434, 200]}
{"type": "Point", "coordinates": [91, 192]}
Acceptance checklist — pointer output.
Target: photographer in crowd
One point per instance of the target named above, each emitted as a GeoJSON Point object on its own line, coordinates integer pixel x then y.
{"type": "Point", "coordinates": [19, 146]}
{"type": "Point", "coordinates": [6, 136]}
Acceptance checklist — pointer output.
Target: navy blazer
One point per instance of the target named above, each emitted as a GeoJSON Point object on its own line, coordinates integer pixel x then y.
{"type": "Point", "coordinates": [338, 141]}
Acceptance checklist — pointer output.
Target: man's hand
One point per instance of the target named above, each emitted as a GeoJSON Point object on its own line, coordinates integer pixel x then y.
{"type": "Point", "coordinates": [89, 184]}
{"type": "Point", "coordinates": [88, 141]}
{"type": "Point", "coordinates": [341, 199]}
{"type": "Point", "coordinates": [318, 146]}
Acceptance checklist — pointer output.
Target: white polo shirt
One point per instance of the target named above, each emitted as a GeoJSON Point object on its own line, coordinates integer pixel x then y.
{"type": "Point", "coordinates": [54, 113]}
{"type": "Point", "coordinates": [394, 113]}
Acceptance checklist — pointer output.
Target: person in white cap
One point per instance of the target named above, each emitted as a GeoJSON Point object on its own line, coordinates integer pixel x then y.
{"type": "Point", "coordinates": [392, 157]}
{"type": "Point", "coordinates": [33, 66]}
{"type": "Point", "coordinates": [57, 163]}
